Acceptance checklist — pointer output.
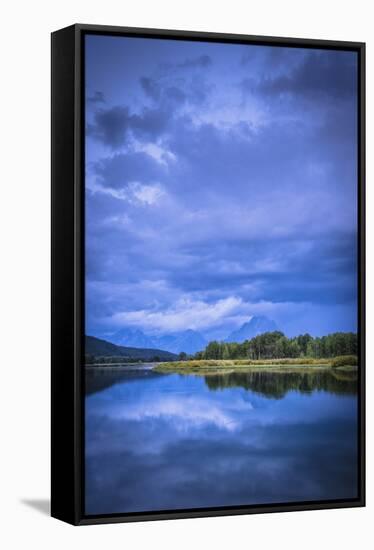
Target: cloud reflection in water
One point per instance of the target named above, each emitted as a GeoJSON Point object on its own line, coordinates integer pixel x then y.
{"type": "Point", "coordinates": [169, 442]}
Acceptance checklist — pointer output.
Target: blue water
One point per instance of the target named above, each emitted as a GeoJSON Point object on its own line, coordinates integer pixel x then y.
{"type": "Point", "coordinates": [167, 441]}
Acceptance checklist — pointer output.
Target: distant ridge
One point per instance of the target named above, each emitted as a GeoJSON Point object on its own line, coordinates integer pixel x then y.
{"type": "Point", "coordinates": [257, 325]}
{"type": "Point", "coordinates": [133, 338]}
{"type": "Point", "coordinates": [102, 348]}
{"type": "Point", "coordinates": [134, 343]}
{"type": "Point", "coordinates": [190, 341]}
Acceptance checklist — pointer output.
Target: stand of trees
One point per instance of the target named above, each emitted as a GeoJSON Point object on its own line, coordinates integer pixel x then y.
{"type": "Point", "coordinates": [275, 345]}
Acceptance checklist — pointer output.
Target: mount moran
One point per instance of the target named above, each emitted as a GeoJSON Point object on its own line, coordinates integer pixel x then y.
{"type": "Point", "coordinates": [190, 341]}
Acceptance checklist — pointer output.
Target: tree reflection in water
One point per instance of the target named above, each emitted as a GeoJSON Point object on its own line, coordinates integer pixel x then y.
{"type": "Point", "coordinates": [277, 384]}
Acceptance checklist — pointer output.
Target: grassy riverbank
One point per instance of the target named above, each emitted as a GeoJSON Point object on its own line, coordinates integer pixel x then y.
{"type": "Point", "coordinates": [216, 366]}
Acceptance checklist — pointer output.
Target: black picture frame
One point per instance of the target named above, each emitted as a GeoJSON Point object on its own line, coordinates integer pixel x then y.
{"type": "Point", "coordinates": [67, 384]}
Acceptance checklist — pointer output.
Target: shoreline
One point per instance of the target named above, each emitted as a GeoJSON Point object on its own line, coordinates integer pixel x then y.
{"type": "Point", "coordinates": [251, 368]}
{"type": "Point", "coordinates": [216, 367]}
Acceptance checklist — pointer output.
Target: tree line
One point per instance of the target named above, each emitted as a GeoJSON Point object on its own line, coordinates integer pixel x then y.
{"type": "Point", "coordinates": [275, 345]}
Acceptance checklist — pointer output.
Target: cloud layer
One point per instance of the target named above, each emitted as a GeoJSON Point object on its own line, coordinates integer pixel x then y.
{"type": "Point", "coordinates": [221, 182]}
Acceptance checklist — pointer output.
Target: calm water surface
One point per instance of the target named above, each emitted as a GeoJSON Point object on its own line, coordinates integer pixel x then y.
{"type": "Point", "coordinates": [168, 441]}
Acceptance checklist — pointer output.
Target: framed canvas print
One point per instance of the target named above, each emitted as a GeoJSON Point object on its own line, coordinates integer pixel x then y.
{"type": "Point", "coordinates": [207, 274]}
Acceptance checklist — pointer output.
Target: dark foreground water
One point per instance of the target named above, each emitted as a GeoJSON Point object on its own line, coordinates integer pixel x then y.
{"type": "Point", "coordinates": [167, 441]}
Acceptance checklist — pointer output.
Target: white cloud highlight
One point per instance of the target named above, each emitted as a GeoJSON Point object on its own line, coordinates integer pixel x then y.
{"type": "Point", "coordinates": [184, 313]}
{"type": "Point", "coordinates": [134, 192]}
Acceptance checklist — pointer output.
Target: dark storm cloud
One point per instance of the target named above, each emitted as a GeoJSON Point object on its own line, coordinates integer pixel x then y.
{"type": "Point", "coordinates": [169, 98]}
{"type": "Point", "coordinates": [112, 126]}
{"type": "Point", "coordinates": [331, 74]}
{"type": "Point", "coordinates": [318, 273]}
{"type": "Point", "coordinates": [151, 123]}
{"type": "Point", "coordinates": [201, 61]}
{"type": "Point", "coordinates": [168, 94]}
{"type": "Point", "coordinates": [175, 95]}
{"type": "Point", "coordinates": [120, 169]}
{"type": "Point", "coordinates": [249, 198]}
{"type": "Point", "coordinates": [150, 87]}
{"type": "Point", "coordinates": [97, 97]}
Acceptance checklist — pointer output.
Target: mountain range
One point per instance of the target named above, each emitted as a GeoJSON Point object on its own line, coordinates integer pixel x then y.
{"type": "Point", "coordinates": [98, 347]}
{"type": "Point", "coordinates": [257, 325]}
{"type": "Point", "coordinates": [189, 341]}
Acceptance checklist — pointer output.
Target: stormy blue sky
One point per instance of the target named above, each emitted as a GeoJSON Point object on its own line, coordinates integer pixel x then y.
{"type": "Point", "coordinates": [220, 184]}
